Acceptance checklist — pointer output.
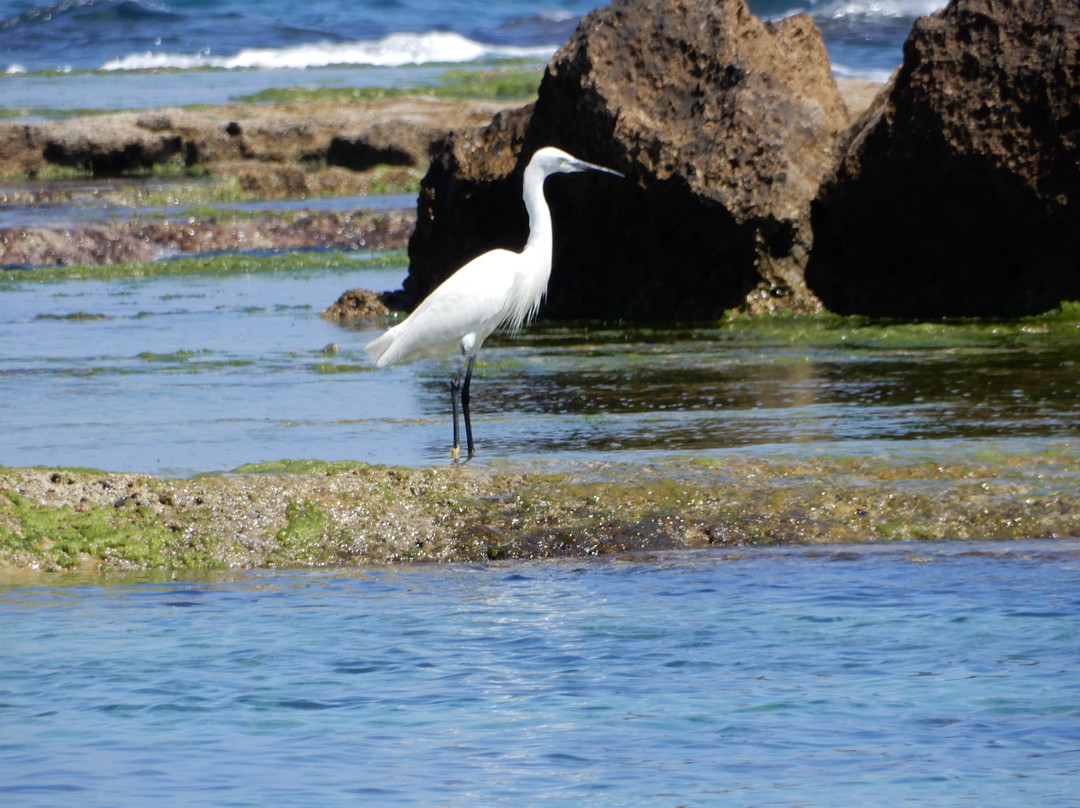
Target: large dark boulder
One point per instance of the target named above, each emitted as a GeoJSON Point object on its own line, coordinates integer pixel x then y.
{"type": "Point", "coordinates": [724, 125]}
{"type": "Point", "coordinates": [960, 193]}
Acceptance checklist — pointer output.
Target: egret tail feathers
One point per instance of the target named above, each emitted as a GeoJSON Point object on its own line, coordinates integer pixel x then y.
{"type": "Point", "coordinates": [380, 349]}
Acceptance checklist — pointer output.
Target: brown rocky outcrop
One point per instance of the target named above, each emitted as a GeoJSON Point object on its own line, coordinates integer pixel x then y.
{"type": "Point", "coordinates": [357, 304]}
{"type": "Point", "coordinates": [109, 146]}
{"type": "Point", "coordinates": [399, 131]}
{"type": "Point", "coordinates": [960, 193]}
{"type": "Point", "coordinates": [725, 126]}
{"type": "Point", "coordinates": [115, 242]}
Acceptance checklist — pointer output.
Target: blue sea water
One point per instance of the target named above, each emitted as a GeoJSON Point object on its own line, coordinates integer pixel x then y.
{"type": "Point", "coordinates": [921, 675]}
{"type": "Point", "coordinates": [864, 36]}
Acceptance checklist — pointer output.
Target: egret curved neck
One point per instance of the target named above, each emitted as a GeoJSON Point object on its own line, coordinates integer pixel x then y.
{"type": "Point", "coordinates": [540, 237]}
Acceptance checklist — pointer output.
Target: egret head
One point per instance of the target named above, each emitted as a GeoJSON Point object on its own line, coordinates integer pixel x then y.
{"type": "Point", "coordinates": [555, 161]}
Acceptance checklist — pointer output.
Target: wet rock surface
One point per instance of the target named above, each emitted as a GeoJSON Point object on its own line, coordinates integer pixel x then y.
{"type": "Point", "coordinates": [110, 243]}
{"type": "Point", "coordinates": [258, 152]}
{"type": "Point", "coordinates": [305, 136]}
{"type": "Point", "coordinates": [357, 304]}
{"type": "Point", "coordinates": [960, 192]}
{"type": "Point", "coordinates": [725, 126]}
{"type": "Point", "coordinates": [349, 514]}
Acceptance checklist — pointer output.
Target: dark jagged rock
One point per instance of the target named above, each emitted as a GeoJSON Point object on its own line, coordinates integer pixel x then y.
{"type": "Point", "coordinates": [725, 126]}
{"type": "Point", "coordinates": [960, 194]}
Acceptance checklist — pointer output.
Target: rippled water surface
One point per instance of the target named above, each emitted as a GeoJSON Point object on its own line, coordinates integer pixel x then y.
{"type": "Point", "coordinates": [929, 675]}
{"type": "Point", "coordinates": [184, 374]}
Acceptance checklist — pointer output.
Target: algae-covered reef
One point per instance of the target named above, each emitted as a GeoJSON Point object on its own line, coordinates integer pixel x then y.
{"type": "Point", "coordinates": [333, 514]}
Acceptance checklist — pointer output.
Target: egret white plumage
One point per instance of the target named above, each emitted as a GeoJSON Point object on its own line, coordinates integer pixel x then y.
{"type": "Point", "coordinates": [498, 288]}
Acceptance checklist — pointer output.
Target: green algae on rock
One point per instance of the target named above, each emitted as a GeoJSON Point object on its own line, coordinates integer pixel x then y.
{"type": "Point", "coordinates": [502, 84]}
{"type": "Point", "coordinates": [210, 265]}
{"type": "Point", "coordinates": [315, 513]}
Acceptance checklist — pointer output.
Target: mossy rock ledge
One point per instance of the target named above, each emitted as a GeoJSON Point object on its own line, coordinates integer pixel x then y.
{"type": "Point", "coordinates": [313, 514]}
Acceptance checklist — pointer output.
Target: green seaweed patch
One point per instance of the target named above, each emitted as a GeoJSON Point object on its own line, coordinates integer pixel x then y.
{"type": "Point", "coordinates": [75, 316]}
{"type": "Point", "coordinates": [499, 84]}
{"type": "Point", "coordinates": [305, 466]}
{"type": "Point", "coordinates": [175, 356]}
{"type": "Point", "coordinates": [389, 180]}
{"type": "Point", "coordinates": [188, 361]}
{"type": "Point", "coordinates": [209, 212]}
{"type": "Point", "coordinates": [212, 265]}
{"type": "Point", "coordinates": [304, 538]}
{"type": "Point", "coordinates": [97, 538]}
{"type": "Point", "coordinates": [316, 512]}
{"type": "Point", "coordinates": [81, 470]}
{"type": "Point", "coordinates": [855, 332]}
{"type": "Point", "coordinates": [331, 368]}
{"type": "Point", "coordinates": [195, 200]}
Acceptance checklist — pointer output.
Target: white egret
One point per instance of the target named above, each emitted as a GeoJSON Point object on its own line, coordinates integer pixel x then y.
{"type": "Point", "coordinates": [500, 287]}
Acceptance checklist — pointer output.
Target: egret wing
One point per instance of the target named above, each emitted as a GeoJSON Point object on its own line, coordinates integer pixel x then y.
{"type": "Point", "coordinates": [472, 301]}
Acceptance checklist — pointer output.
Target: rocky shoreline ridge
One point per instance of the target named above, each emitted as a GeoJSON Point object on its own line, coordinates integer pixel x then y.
{"type": "Point", "coordinates": [343, 514]}
{"type": "Point", "coordinates": [258, 152]}
{"type": "Point", "coordinates": [122, 242]}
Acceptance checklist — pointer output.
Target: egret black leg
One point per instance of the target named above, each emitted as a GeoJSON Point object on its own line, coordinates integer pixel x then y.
{"type": "Point", "coordinates": [465, 408]}
{"type": "Point", "coordinates": [456, 451]}
{"type": "Point", "coordinates": [455, 396]}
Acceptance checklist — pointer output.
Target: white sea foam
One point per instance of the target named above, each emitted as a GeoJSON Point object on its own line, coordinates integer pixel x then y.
{"type": "Point", "coordinates": [881, 8]}
{"type": "Point", "coordinates": [867, 9]}
{"type": "Point", "coordinates": [392, 51]}
{"type": "Point", "coordinates": [16, 69]}
{"type": "Point", "coordinates": [878, 75]}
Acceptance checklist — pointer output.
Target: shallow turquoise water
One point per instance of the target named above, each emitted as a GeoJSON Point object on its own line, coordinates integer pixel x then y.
{"type": "Point", "coordinates": [929, 675]}
{"type": "Point", "coordinates": [179, 375]}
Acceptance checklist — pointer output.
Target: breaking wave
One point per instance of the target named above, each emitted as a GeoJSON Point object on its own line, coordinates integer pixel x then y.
{"type": "Point", "coordinates": [391, 51]}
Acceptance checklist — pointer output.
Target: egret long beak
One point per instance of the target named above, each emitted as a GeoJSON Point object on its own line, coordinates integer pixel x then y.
{"type": "Point", "coordinates": [581, 165]}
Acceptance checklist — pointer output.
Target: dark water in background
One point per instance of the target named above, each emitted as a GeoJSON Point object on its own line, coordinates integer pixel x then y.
{"type": "Point", "coordinates": [269, 43]}
{"type": "Point", "coordinates": [927, 675]}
